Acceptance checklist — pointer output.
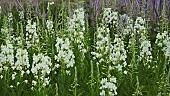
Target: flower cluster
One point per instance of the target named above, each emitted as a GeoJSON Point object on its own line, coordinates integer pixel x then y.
{"type": "Point", "coordinates": [127, 25]}
{"type": "Point", "coordinates": [41, 68]}
{"type": "Point", "coordinates": [110, 16]}
{"type": "Point", "coordinates": [145, 49]}
{"type": "Point", "coordinates": [6, 56]}
{"type": "Point", "coordinates": [17, 66]}
{"type": "Point", "coordinates": [21, 65]}
{"type": "Point", "coordinates": [49, 24]}
{"type": "Point", "coordinates": [108, 86]}
{"type": "Point", "coordinates": [31, 34]}
{"type": "Point", "coordinates": [118, 54]}
{"type": "Point", "coordinates": [167, 48]}
{"type": "Point", "coordinates": [10, 18]}
{"type": "Point", "coordinates": [139, 26]}
{"type": "Point", "coordinates": [145, 44]}
{"type": "Point", "coordinates": [76, 27]}
{"type": "Point", "coordinates": [22, 60]}
{"type": "Point", "coordinates": [77, 21]}
{"type": "Point", "coordinates": [21, 15]}
{"type": "Point", "coordinates": [64, 53]}
{"type": "Point", "coordinates": [163, 40]}
{"type": "Point", "coordinates": [7, 29]}
{"type": "Point", "coordinates": [102, 44]}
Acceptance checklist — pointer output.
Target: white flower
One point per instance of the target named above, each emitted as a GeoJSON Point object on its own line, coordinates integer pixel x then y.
{"type": "Point", "coordinates": [1, 76]}
{"type": "Point", "coordinates": [119, 67]}
{"type": "Point", "coordinates": [32, 88]}
{"type": "Point", "coordinates": [159, 36]}
{"type": "Point", "coordinates": [28, 71]}
{"type": "Point", "coordinates": [111, 86]}
{"type": "Point", "coordinates": [113, 79]}
{"type": "Point", "coordinates": [5, 68]}
{"type": "Point", "coordinates": [22, 59]}
{"type": "Point", "coordinates": [109, 16]}
{"type": "Point", "coordinates": [13, 76]}
{"type": "Point", "coordinates": [34, 83]}
{"type": "Point", "coordinates": [65, 53]}
{"type": "Point", "coordinates": [21, 14]}
{"type": "Point", "coordinates": [41, 65]}
{"type": "Point", "coordinates": [167, 49]}
{"type": "Point", "coordinates": [0, 9]}
{"type": "Point", "coordinates": [26, 81]}
{"type": "Point", "coordinates": [68, 72]}
{"type": "Point", "coordinates": [11, 86]}
{"type": "Point", "coordinates": [35, 59]}
{"type": "Point", "coordinates": [125, 72]}
{"type": "Point", "coordinates": [145, 49]}
{"type": "Point", "coordinates": [102, 93]}
{"type": "Point", "coordinates": [1, 69]}
{"type": "Point", "coordinates": [18, 83]}
{"type": "Point", "coordinates": [31, 34]}
{"type": "Point", "coordinates": [7, 54]}
{"type": "Point", "coordinates": [49, 24]}
{"type": "Point", "coordinates": [164, 42]}
{"type": "Point", "coordinates": [76, 28]}
{"type": "Point", "coordinates": [10, 18]}
{"type": "Point", "coordinates": [51, 3]}
{"type": "Point", "coordinates": [103, 81]}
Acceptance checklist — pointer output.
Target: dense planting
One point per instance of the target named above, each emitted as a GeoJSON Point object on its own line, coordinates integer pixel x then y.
{"type": "Point", "coordinates": [65, 53]}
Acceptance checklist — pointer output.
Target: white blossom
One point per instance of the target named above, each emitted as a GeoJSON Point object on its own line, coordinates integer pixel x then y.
{"type": "Point", "coordinates": [13, 76]}
{"type": "Point", "coordinates": [41, 67]}
{"type": "Point", "coordinates": [65, 53]}
{"type": "Point", "coordinates": [21, 14]}
{"type": "Point", "coordinates": [118, 54]}
{"type": "Point", "coordinates": [103, 93]}
{"type": "Point", "coordinates": [163, 41]}
{"type": "Point", "coordinates": [102, 43]}
{"type": "Point", "coordinates": [31, 34]}
{"type": "Point", "coordinates": [1, 76]}
{"type": "Point", "coordinates": [34, 83]}
{"type": "Point", "coordinates": [7, 55]}
{"type": "Point", "coordinates": [110, 16]}
{"type": "Point", "coordinates": [125, 72]}
{"type": "Point", "coordinates": [26, 81]}
{"type": "Point", "coordinates": [0, 9]}
{"type": "Point", "coordinates": [11, 86]}
{"type": "Point", "coordinates": [49, 24]}
{"type": "Point", "coordinates": [76, 29]}
{"type": "Point", "coordinates": [22, 60]}
{"type": "Point", "coordinates": [108, 85]}
{"type": "Point", "coordinates": [146, 49]}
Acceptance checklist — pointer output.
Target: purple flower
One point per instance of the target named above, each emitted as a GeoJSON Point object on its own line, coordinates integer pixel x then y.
{"type": "Point", "coordinates": [124, 17]}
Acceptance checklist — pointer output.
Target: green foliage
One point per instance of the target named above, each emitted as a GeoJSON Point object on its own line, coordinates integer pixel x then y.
{"type": "Point", "coordinates": [87, 40]}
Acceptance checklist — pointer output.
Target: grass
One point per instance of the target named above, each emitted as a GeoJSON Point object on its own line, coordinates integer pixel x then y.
{"type": "Point", "coordinates": [57, 52]}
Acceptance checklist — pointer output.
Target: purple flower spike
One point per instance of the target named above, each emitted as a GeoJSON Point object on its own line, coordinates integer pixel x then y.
{"type": "Point", "coordinates": [37, 10]}
{"type": "Point", "coordinates": [124, 17]}
{"type": "Point", "coordinates": [154, 9]}
{"type": "Point", "coordinates": [18, 3]}
{"type": "Point", "coordinates": [97, 6]}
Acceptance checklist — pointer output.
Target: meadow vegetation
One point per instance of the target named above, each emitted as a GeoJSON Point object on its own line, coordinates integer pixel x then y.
{"type": "Point", "coordinates": [85, 48]}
